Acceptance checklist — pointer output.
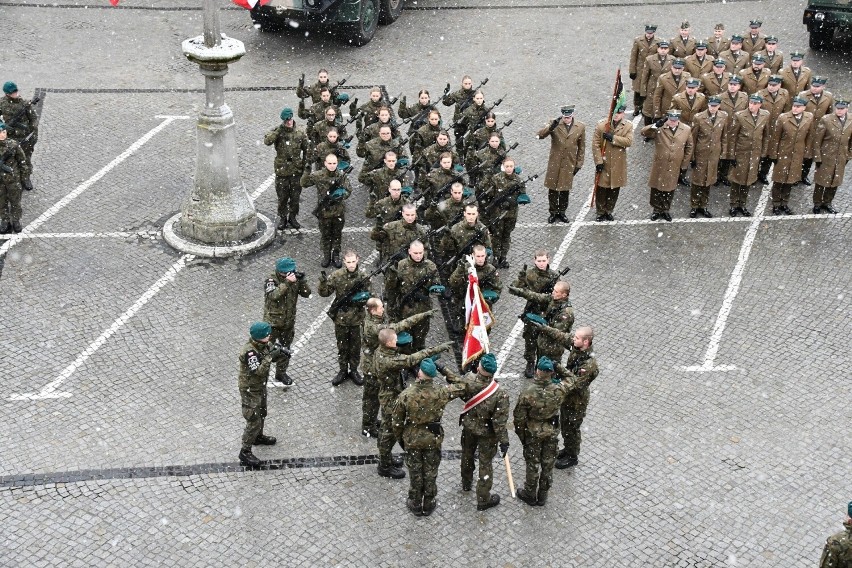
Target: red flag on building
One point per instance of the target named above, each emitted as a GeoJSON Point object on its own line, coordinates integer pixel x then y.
{"type": "Point", "coordinates": [478, 319]}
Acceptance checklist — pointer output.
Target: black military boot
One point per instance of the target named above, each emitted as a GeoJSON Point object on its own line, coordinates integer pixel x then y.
{"type": "Point", "coordinates": [264, 440]}
{"type": "Point", "coordinates": [27, 183]}
{"type": "Point", "coordinates": [294, 223]}
{"type": "Point", "coordinates": [493, 501]}
{"type": "Point", "coordinates": [335, 258]}
{"type": "Point", "coordinates": [282, 377]}
{"type": "Point", "coordinates": [282, 224]}
{"type": "Point", "coordinates": [397, 461]}
{"type": "Point", "coordinates": [415, 507]}
{"type": "Point", "coordinates": [4, 226]}
{"type": "Point", "coordinates": [527, 498]}
{"type": "Point", "coordinates": [429, 506]}
{"type": "Point", "coordinates": [249, 459]}
{"type": "Point", "coordinates": [392, 472]}
{"type": "Point", "coordinates": [529, 372]}
{"type": "Point", "coordinates": [16, 226]}
{"type": "Point", "coordinates": [356, 377]}
{"type": "Point", "coordinates": [566, 462]}
{"type": "Point", "coordinates": [504, 263]}
{"type": "Point", "coordinates": [563, 453]}
{"type": "Point", "coordinates": [341, 376]}
{"type": "Point", "coordinates": [326, 259]}
{"type": "Point", "coordinates": [542, 497]}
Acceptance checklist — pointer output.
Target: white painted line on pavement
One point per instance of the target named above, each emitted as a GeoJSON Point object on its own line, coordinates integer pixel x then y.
{"type": "Point", "coordinates": [731, 292]}
{"type": "Point", "coordinates": [49, 390]}
{"type": "Point", "coordinates": [59, 205]}
{"type": "Point", "coordinates": [112, 235]}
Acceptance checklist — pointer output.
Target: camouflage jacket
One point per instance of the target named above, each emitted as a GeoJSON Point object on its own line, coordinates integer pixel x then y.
{"type": "Point", "coordinates": [386, 210]}
{"type": "Point", "coordinates": [26, 123]}
{"type": "Point", "coordinates": [389, 366]}
{"type": "Point", "coordinates": [477, 140]}
{"type": "Point", "coordinates": [370, 335]}
{"type": "Point", "coordinates": [379, 179]}
{"type": "Point", "coordinates": [487, 161]}
{"type": "Point", "coordinates": [473, 117]}
{"type": "Point", "coordinates": [375, 149]}
{"type": "Point", "coordinates": [17, 161]}
{"type": "Point", "coordinates": [312, 91]}
{"type": "Point", "coordinates": [431, 156]}
{"type": "Point", "coordinates": [254, 368]}
{"type": "Point", "coordinates": [536, 413]}
{"type": "Point", "coordinates": [339, 283]}
{"type": "Point", "coordinates": [558, 313]}
{"type": "Point", "coordinates": [536, 280]}
{"type": "Point", "coordinates": [400, 234]}
{"type": "Point", "coordinates": [372, 131]}
{"type": "Point", "coordinates": [838, 549]}
{"type": "Point", "coordinates": [464, 235]}
{"type": "Point", "coordinates": [292, 150]}
{"type": "Point", "coordinates": [369, 113]}
{"type": "Point", "coordinates": [411, 281]}
{"type": "Point", "coordinates": [325, 148]}
{"type": "Point", "coordinates": [280, 299]}
{"type": "Point", "coordinates": [493, 190]}
{"type": "Point", "coordinates": [319, 130]}
{"type": "Point", "coordinates": [438, 180]}
{"type": "Point", "coordinates": [487, 274]}
{"type": "Point", "coordinates": [445, 213]}
{"type": "Point", "coordinates": [459, 98]}
{"type": "Point", "coordinates": [489, 417]}
{"type": "Point", "coordinates": [418, 411]}
{"type": "Point", "coordinates": [579, 365]}
{"type": "Point", "coordinates": [326, 183]}
{"type": "Point", "coordinates": [424, 137]}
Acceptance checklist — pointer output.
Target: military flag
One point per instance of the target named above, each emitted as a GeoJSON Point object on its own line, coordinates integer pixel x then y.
{"type": "Point", "coordinates": [478, 319]}
{"type": "Point", "coordinates": [250, 4]}
{"type": "Point", "coordinates": [618, 99]}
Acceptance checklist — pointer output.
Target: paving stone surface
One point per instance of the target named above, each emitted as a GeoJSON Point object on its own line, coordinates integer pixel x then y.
{"type": "Point", "coordinates": [123, 451]}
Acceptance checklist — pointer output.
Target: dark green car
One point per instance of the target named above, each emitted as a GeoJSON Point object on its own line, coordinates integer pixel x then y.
{"type": "Point", "coordinates": [354, 20]}
{"type": "Point", "coordinates": [824, 17]}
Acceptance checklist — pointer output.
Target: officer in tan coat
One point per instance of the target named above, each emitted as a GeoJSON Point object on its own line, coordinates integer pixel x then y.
{"type": "Point", "coordinates": [832, 145]}
{"type": "Point", "coordinates": [682, 44]}
{"type": "Point", "coordinates": [735, 58]}
{"type": "Point", "coordinates": [756, 77]}
{"type": "Point", "coordinates": [776, 100]}
{"type": "Point", "coordinates": [774, 57]}
{"type": "Point", "coordinates": [796, 77]}
{"type": "Point", "coordinates": [699, 62]}
{"type": "Point", "coordinates": [733, 101]}
{"type": "Point", "coordinates": [668, 85]}
{"type": "Point", "coordinates": [643, 46]}
{"type": "Point", "coordinates": [567, 151]}
{"type": "Point", "coordinates": [716, 81]}
{"type": "Point", "coordinates": [610, 142]}
{"type": "Point", "coordinates": [746, 144]}
{"type": "Point", "coordinates": [708, 130]}
{"type": "Point", "coordinates": [790, 140]}
{"type": "Point", "coordinates": [819, 102]}
{"type": "Point", "coordinates": [717, 43]}
{"type": "Point", "coordinates": [655, 65]}
{"type": "Point", "coordinates": [672, 154]}
{"type": "Point", "coordinates": [690, 102]}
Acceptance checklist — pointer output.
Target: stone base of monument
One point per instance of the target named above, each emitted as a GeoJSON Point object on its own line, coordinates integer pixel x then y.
{"type": "Point", "coordinates": [264, 235]}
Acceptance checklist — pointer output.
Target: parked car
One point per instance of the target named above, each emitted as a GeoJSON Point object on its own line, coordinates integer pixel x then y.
{"type": "Point", "coordinates": [823, 17]}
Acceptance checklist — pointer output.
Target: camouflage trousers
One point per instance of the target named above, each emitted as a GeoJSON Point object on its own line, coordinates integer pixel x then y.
{"type": "Point", "coordinates": [288, 190]}
{"type": "Point", "coordinates": [254, 412]}
{"type": "Point", "coordinates": [285, 336]}
{"type": "Point", "coordinates": [606, 198]}
{"type": "Point", "coordinates": [540, 456]}
{"type": "Point", "coordinates": [348, 346]}
{"type": "Point", "coordinates": [570, 419]}
{"type": "Point", "coordinates": [418, 331]}
{"type": "Point", "coordinates": [331, 232]}
{"type": "Point", "coordinates": [501, 235]}
{"type": "Point", "coordinates": [10, 198]}
{"type": "Point", "coordinates": [423, 473]}
{"type": "Point", "coordinates": [530, 342]}
{"type": "Point", "coordinates": [370, 403]}
{"type": "Point", "coordinates": [487, 450]}
{"type": "Point", "coordinates": [386, 437]}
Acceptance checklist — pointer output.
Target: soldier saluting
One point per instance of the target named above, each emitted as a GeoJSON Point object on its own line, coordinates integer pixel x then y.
{"type": "Point", "coordinates": [292, 156]}
{"type": "Point", "coordinates": [13, 169]}
{"type": "Point", "coordinates": [21, 125]}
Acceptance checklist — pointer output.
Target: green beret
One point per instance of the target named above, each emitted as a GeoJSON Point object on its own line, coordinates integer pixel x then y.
{"type": "Point", "coordinates": [2, 126]}
{"type": "Point", "coordinates": [466, 192]}
{"type": "Point", "coordinates": [403, 338]}
{"type": "Point", "coordinates": [529, 316]}
{"type": "Point", "coordinates": [490, 295]}
{"type": "Point", "coordinates": [755, 98]}
{"type": "Point", "coordinates": [342, 165]}
{"type": "Point", "coordinates": [287, 113]}
{"type": "Point", "coordinates": [9, 87]}
{"type": "Point", "coordinates": [523, 199]}
{"type": "Point", "coordinates": [337, 194]}
{"type": "Point", "coordinates": [458, 168]}
{"type": "Point", "coordinates": [545, 364]}
{"type": "Point", "coordinates": [849, 509]}
{"type": "Point", "coordinates": [285, 265]}
{"type": "Point", "coordinates": [488, 362]}
{"type": "Point", "coordinates": [428, 367]}
{"type": "Point", "coordinates": [259, 330]}
{"type": "Point", "coordinates": [407, 189]}
{"type": "Point", "coordinates": [361, 297]}
{"type": "Point", "coordinates": [714, 100]}
{"type": "Point", "coordinates": [343, 97]}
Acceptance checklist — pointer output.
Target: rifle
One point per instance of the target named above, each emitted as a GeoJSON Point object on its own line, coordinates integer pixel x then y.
{"type": "Point", "coordinates": [11, 152]}
{"type": "Point", "coordinates": [466, 248]}
{"type": "Point", "coordinates": [548, 288]}
{"type": "Point", "coordinates": [513, 190]}
{"type": "Point", "coordinates": [327, 200]}
{"type": "Point", "coordinates": [499, 130]}
{"type": "Point", "coordinates": [469, 99]}
{"type": "Point", "coordinates": [481, 120]}
{"type": "Point", "coordinates": [416, 287]}
{"type": "Point", "coordinates": [333, 90]}
{"type": "Point", "coordinates": [13, 122]}
{"type": "Point", "coordinates": [359, 286]}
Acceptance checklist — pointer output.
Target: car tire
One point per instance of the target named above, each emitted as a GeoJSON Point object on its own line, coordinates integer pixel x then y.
{"type": "Point", "coordinates": [390, 10]}
{"type": "Point", "coordinates": [361, 32]}
{"type": "Point", "coordinates": [820, 39]}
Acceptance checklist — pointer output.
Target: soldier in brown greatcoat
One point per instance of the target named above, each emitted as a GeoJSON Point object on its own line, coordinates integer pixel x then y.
{"type": "Point", "coordinates": [611, 162]}
{"type": "Point", "coordinates": [668, 85]}
{"type": "Point", "coordinates": [774, 58]}
{"type": "Point", "coordinates": [819, 101]}
{"type": "Point", "coordinates": [716, 81]}
{"type": "Point", "coordinates": [733, 101]}
{"type": "Point", "coordinates": [567, 151]}
{"type": "Point", "coordinates": [699, 63]}
{"type": "Point", "coordinates": [672, 154]}
{"type": "Point", "coordinates": [756, 77]}
{"type": "Point", "coordinates": [746, 144]}
{"type": "Point", "coordinates": [655, 65]}
{"type": "Point", "coordinates": [643, 46]}
{"type": "Point", "coordinates": [832, 143]}
{"type": "Point", "coordinates": [717, 43]}
{"type": "Point", "coordinates": [796, 77]}
{"type": "Point", "coordinates": [753, 40]}
{"type": "Point", "coordinates": [791, 138]}
{"type": "Point", "coordinates": [689, 102]}
{"type": "Point", "coordinates": [682, 45]}
{"type": "Point", "coordinates": [708, 130]}
{"type": "Point", "coordinates": [776, 100]}
{"type": "Point", "coordinates": [735, 58]}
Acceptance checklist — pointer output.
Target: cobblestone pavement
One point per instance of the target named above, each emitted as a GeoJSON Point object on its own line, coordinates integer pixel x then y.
{"type": "Point", "coordinates": [717, 433]}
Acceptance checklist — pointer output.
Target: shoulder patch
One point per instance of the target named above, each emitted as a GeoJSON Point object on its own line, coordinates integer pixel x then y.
{"type": "Point", "coordinates": [270, 286]}
{"type": "Point", "coordinates": [253, 360]}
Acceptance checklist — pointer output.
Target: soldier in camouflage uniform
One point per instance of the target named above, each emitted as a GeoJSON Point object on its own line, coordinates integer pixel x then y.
{"type": "Point", "coordinates": [331, 145]}
{"type": "Point", "coordinates": [426, 135]}
{"type": "Point", "coordinates": [417, 425]}
{"type": "Point", "coordinates": [351, 287]}
{"type": "Point", "coordinates": [462, 98]}
{"type": "Point", "coordinates": [368, 113]}
{"type": "Point", "coordinates": [372, 324]}
{"type": "Point", "coordinates": [372, 131]}
{"type": "Point", "coordinates": [471, 119]}
{"type": "Point", "coordinates": [386, 210]}
{"type": "Point", "coordinates": [536, 420]}
{"type": "Point", "coordinates": [281, 290]}
{"type": "Point", "coordinates": [377, 180]}
{"type": "Point", "coordinates": [437, 182]}
{"type": "Point", "coordinates": [430, 158]}
{"type": "Point", "coordinates": [486, 161]}
{"type": "Point", "coordinates": [418, 112]}
{"type": "Point", "coordinates": [500, 196]}
{"type": "Point", "coordinates": [539, 278]}
{"type": "Point", "coordinates": [332, 188]}
{"type": "Point", "coordinates": [315, 90]}
{"type": "Point", "coordinates": [292, 157]}
{"type": "Point", "coordinates": [559, 314]}
{"type": "Point", "coordinates": [255, 357]}
{"type": "Point", "coordinates": [319, 129]}
{"type": "Point", "coordinates": [838, 547]}
{"type": "Point", "coordinates": [464, 235]}
{"type": "Point", "coordinates": [21, 125]}
{"type": "Point", "coordinates": [389, 366]}
{"type": "Point", "coordinates": [489, 284]}
{"type": "Point", "coordinates": [376, 149]}
{"type": "Point", "coordinates": [412, 281]}
{"type": "Point", "coordinates": [396, 236]}
{"type": "Point", "coordinates": [484, 428]}
{"type": "Point", "coordinates": [317, 112]}
{"type": "Point", "coordinates": [478, 139]}
{"type": "Point", "coordinates": [13, 170]}
{"type": "Point", "coordinates": [447, 212]}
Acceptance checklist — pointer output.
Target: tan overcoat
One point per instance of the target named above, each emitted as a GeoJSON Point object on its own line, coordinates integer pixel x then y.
{"type": "Point", "coordinates": [666, 89]}
{"type": "Point", "coordinates": [614, 156]}
{"type": "Point", "coordinates": [708, 139]}
{"type": "Point", "coordinates": [790, 141]}
{"type": "Point", "coordinates": [746, 145]}
{"type": "Point", "coordinates": [672, 153]}
{"type": "Point", "coordinates": [832, 149]}
{"type": "Point", "coordinates": [567, 151]}
{"type": "Point", "coordinates": [650, 74]}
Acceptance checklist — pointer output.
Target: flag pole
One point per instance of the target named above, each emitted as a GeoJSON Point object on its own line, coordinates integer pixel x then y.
{"type": "Point", "coordinates": [509, 474]}
{"type": "Point", "coordinates": [608, 127]}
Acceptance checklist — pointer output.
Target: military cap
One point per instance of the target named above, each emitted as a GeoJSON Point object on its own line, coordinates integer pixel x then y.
{"type": "Point", "coordinates": [403, 338]}
{"type": "Point", "coordinates": [535, 318]}
{"type": "Point", "coordinates": [490, 295]}
{"type": "Point", "coordinates": [286, 113]}
{"type": "Point", "coordinates": [338, 194]}
{"type": "Point", "coordinates": [407, 190]}
{"type": "Point", "coordinates": [488, 362]}
{"type": "Point", "coordinates": [673, 114]}
{"type": "Point", "coordinates": [692, 82]}
{"type": "Point", "coordinates": [714, 100]}
{"type": "Point", "coordinates": [361, 297]}
{"type": "Point", "coordinates": [428, 367]}
{"type": "Point", "coordinates": [545, 364]}
{"type": "Point", "coordinates": [841, 102]}
{"type": "Point", "coordinates": [650, 28]}
{"type": "Point", "coordinates": [663, 43]}
{"type": "Point", "coordinates": [342, 98]}
{"type": "Point", "coordinates": [718, 63]}
{"type": "Point", "coordinates": [684, 25]}
{"type": "Point", "coordinates": [818, 80]}
{"type": "Point", "coordinates": [771, 39]}
{"type": "Point", "coordinates": [775, 79]}
{"type": "Point", "coordinates": [799, 101]}
{"type": "Point", "coordinates": [9, 87]}
{"type": "Point", "coordinates": [719, 26]}
{"type": "Point", "coordinates": [343, 165]}
{"type": "Point", "coordinates": [701, 45]}
{"type": "Point", "coordinates": [755, 24]}
{"type": "Point", "coordinates": [2, 126]}
{"type": "Point", "coordinates": [758, 58]}
{"type": "Point", "coordinates": [734, 78]}
{"type": "Point", "coordinates": [259, 330]}
{"type": "Point", "coordinates": [797, 55]}
{"type": "Point", "coordinates": [737, 38]}
{"type": "Point", "coordinates": [679, 63]}
{"type": "Point", "coordinates": [567, 110]}
{"type": "Point", "coordinates": [755, 98]}
{"type": "Point", "coordinates": [285, 265]}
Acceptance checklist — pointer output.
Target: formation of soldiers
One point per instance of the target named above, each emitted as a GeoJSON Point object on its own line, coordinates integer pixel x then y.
{"type": "Point", "coordinates": [731, 110]}
{"type": "Point", "coordinates": [18, 136]}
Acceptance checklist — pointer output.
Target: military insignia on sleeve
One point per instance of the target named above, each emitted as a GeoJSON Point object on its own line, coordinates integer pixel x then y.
{"type": "Point", "coordinates": [253, 361]}
{"type": "Point", "coordinates": [270, 285]}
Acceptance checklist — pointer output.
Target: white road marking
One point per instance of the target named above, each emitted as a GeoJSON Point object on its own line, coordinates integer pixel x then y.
{"type": "Point", "coordinates": [59, 205]}
{"type": "Point", "coordinates": [107, 235]}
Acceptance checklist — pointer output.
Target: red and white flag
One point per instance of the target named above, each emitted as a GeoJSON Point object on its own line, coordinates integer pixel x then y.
{"type": "Point", "coordinates": [113, 2]}
{"type": "Point", "coordinates": [249, 4]}
{"type": "Point", "coordinates": [478, 319]}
